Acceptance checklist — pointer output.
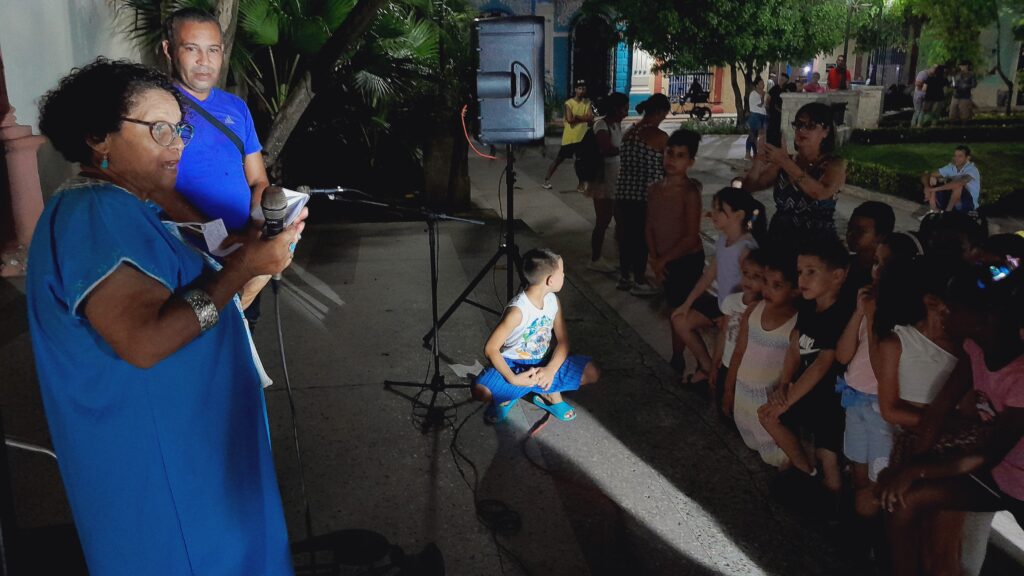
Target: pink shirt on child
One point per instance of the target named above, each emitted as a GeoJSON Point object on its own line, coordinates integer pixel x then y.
{"type": "Point", "coordinates": [1004, 389]}
{"type": "Point", "coordinates": [859, 374]}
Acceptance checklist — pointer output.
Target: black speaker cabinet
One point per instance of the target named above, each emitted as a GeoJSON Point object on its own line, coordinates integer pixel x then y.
{"type": "Point", "coordinates": [509, 79]}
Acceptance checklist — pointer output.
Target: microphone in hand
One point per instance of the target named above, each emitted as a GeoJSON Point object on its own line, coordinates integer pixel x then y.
{"type": "Point", "coordinates": [274, 205]}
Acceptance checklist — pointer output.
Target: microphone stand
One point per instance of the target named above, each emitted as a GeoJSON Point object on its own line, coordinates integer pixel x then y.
{"type": "Point", "coordinates": [507, 249]}
{"type": "Point", "coordinates": [432, 415]}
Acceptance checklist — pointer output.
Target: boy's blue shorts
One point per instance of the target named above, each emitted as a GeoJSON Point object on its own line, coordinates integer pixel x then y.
{"type": "Point", "coordinates": [567, 379]}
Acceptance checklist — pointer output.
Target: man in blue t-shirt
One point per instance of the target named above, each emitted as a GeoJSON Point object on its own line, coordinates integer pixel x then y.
{"type": "Point", "coordinates": [219, 177]}
{"type": "Point", "coordinates": [955, 186]}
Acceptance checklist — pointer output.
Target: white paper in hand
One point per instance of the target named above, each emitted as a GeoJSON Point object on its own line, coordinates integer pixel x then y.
{"type": "Point", "coordinates": [296, 201]}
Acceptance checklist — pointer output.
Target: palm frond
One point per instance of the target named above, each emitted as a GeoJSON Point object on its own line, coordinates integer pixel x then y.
{"type": "Point", "coordinates": [335, 12]}
{"type": "Point", "coordinates": [375, 89]}
{"type": "Point", "coordinates": [259, 22]}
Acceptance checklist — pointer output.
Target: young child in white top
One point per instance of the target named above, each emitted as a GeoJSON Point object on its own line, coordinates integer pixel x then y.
{"type": "Point", "coordinates": [759, 358]}
{"type": "Point", "coordinates": [740, 221]}
{"type": "Point", "coordinates": [733, 308]}
{"type": "Point", "coordinates": [519, 349]}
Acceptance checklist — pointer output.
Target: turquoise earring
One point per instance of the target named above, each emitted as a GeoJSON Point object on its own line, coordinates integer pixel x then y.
{"type": "Point", "coordinates": [104, 164]}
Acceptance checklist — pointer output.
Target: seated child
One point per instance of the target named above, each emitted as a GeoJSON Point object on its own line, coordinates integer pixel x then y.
{"type": "Point", "coordinates": [733, 308]}
{"type": "Point", "coordinates": [740, 222]}
{"type": "Point", "coordinates": [758, 359]}
{"type": "Point", "coordinates": [805, 399]}
{"type": "Point", "coordinates": [520, 352]}
{"type": "Point", "coordinates": [870, 222]}
{"type": "Point", "coordinates": [986, 474]}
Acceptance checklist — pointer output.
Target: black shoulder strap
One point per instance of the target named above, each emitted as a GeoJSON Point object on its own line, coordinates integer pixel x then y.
{"type": "Point", "coordinates": [220, 126]}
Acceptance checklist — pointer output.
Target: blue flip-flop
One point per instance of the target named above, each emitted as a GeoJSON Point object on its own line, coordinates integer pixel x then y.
{"type": "Point", "coordinates": [557, 410]}
{"type": "Point", "coordinates": [496, 413]}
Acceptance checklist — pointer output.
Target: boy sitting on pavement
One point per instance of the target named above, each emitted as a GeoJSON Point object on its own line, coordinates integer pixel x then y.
{"type": "Point", "coordinates": [520, 350]}
{"type": "Point", "coordinates": [955, 186]}
{"type": "Point", "coordinates": [806, 398]}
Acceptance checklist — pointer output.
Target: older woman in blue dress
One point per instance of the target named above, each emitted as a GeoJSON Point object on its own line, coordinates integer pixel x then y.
{"type": "Point", "coordinates": [148, 378]}
{"type": "Point", "coordinates": [805, 185]}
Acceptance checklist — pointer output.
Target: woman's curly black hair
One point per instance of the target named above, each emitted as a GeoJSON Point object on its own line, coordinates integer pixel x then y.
{"type": "Point", "coordinates": [89, 102]}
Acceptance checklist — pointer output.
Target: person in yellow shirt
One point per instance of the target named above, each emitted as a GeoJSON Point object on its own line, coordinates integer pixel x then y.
{"type": "Point", "coordinates": [578, 116]}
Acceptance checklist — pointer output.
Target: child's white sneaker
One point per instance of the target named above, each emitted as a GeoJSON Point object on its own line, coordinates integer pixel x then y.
{"type": "Point", "coordinates": [546, 185]}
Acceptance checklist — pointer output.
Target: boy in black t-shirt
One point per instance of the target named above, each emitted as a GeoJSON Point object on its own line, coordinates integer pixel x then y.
{"type": "Point", "coordinates": [805, 399]}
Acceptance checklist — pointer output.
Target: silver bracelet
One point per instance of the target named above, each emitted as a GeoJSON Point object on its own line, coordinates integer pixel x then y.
{"type": "Point", "coordinates": [203, 307]}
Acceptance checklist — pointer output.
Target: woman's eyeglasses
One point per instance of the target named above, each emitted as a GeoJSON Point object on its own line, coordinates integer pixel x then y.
{"type": "Point", "coordinates": [808, 126]}
{"type": "Point", "coordinates": [164, 133]}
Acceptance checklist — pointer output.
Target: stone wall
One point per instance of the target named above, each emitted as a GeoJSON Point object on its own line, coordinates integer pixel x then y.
{"type": "Point", "coordinates": [863, 109]}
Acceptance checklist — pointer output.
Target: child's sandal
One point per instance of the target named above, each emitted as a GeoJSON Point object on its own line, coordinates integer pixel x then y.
{"type": "Point", "coordinates": [559, 410]}
{"type": "Point", "coordinates": [497, 413]}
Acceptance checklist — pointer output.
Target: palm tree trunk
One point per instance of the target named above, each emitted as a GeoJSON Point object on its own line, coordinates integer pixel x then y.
{"type": "Point", "coordinates": [227, 14]}
{"type": "Point", "coordinates": [340, 42]}
{"type": "Point", "coordinates": [741, 102]}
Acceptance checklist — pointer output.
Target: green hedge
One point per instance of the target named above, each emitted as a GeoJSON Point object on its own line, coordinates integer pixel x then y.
{"type": "Point", "coordinates": [903, 184]}
{"type": "Point", "coordinates": [884, 179]}
{"type": "Point", "coordinates": [933, 134]}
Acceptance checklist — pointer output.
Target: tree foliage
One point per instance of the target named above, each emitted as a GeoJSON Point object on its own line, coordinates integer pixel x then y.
{"type": "Point", "coordinates": [880, 24]}
{"type": "Point", "coordinates": [689, 34]}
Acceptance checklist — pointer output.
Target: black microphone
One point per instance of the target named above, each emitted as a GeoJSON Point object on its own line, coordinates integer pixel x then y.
{"type": "Point", "coordinates": [274, 204]}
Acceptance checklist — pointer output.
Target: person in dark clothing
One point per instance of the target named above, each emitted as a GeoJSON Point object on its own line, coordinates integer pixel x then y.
{"type": "Point", "coordinates": [934, 95]}
{"type": "Point", "coordinates": [773, 135]}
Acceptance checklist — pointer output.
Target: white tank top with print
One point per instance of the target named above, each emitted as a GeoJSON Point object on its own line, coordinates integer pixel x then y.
{"type": "Point", "coordinates": [531, 339]}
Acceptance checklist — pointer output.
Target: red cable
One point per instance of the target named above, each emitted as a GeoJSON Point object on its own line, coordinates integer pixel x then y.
{"type": "Point", "coordinates": [470, 140]}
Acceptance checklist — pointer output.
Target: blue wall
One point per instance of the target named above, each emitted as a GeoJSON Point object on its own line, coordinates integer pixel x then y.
{"type": "Point", "coordinates": [560, 50]}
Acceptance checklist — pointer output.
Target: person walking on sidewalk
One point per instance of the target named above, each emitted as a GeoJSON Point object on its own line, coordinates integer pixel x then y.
{"type": "Point", "coordinates": [578, 116]}
{"type": "Point", "coordinates": [608, 133]}
{"type": "Point", "coordinates": [642, 151]}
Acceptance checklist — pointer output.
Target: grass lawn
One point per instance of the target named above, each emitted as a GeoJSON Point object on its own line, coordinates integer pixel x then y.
{"type": "Point", "coordinates": [1001, 163]}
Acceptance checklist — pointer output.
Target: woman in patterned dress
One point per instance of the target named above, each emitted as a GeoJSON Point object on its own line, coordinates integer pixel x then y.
{"type": "Point", "coordinates": [641, 164]}
{"type": "Point", "coordinates": [806, 185]}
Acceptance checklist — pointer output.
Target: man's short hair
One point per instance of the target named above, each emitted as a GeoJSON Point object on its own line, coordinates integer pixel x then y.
{"type": "Point", "coordinates": [538, 264]}
{"type": "Point", "coordinates": [880, 213]}
{"type": "Point", "coordinates": [830, 251]}
{"type": "Point", "coordinates": [964, 148]}
{"type": "Point", "coordinates": [186, 15]}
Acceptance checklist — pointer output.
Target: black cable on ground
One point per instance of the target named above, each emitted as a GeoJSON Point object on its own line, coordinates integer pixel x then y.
{"type": "Point", "coordinates": [497, 516]}
{"type": "Point", "coordinates": [275, 284]}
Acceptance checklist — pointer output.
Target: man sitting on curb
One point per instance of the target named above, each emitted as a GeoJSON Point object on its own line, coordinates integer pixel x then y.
{"type": "Point", "coordinates": [955, 186]}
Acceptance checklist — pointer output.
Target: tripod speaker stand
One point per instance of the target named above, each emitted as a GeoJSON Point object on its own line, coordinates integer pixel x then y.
{"type": "Point", "coordinates": [507, 248]}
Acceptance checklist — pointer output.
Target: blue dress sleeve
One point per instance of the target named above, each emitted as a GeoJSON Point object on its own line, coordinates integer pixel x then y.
{"type": "Point", "coordinates": [97, 229]}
